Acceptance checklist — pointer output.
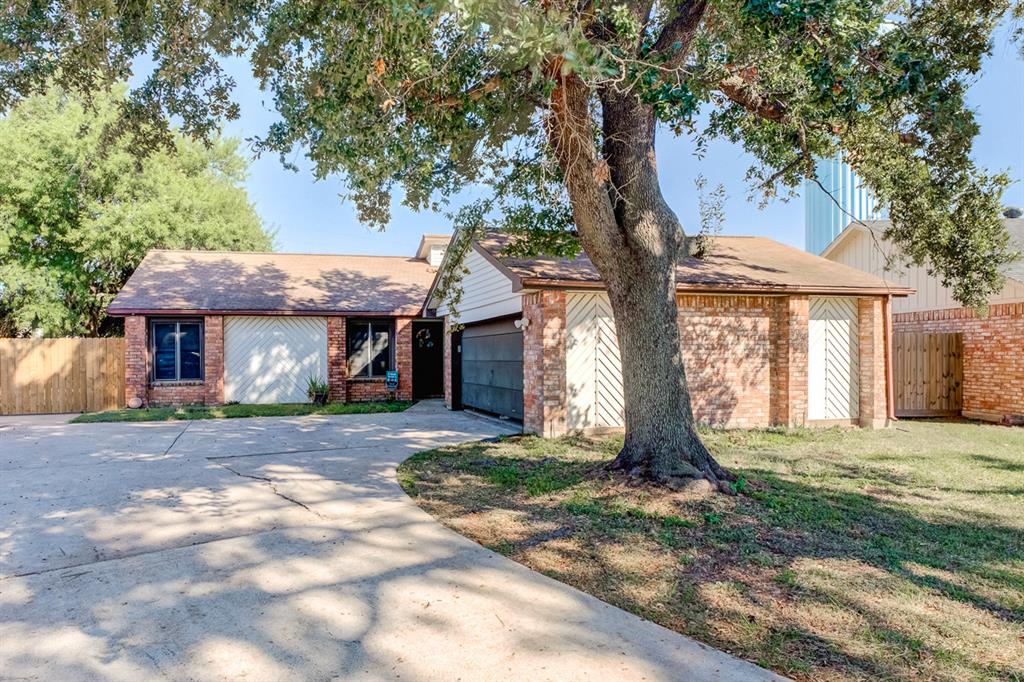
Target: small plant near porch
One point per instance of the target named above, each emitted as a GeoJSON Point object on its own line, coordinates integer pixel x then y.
{"type": "Point", "coordinates": [847, 555]}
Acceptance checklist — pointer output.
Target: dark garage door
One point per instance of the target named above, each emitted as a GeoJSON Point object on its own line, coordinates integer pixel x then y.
{"type": "Point", "coordinates": [492, 368]}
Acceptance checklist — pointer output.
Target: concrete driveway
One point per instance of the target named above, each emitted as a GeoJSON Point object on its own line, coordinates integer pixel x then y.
{"type": "Point", "coordinates": [278, 549]}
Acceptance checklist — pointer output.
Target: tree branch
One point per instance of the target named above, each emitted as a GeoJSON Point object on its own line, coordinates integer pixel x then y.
{"type": "Point", "coordinates": [739, 90]}
{"type": "Point", "coordinates": [675, 38]}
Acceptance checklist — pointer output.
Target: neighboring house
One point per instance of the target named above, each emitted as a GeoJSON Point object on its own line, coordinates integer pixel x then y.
{"type": "Point", "coordinates": [829, 206]}
{"type": "Point", "coordinates": [993, 345]}
{"type": "Point", "coordinates": [214, 327]}
{"type": "Point", "coordinates": [770, 335]}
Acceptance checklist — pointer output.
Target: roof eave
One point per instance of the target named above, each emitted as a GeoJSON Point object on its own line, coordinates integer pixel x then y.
{"type": "Point", "coordinates": [779, 290]}
{"type": "Point", "coordinates": [411, 311]}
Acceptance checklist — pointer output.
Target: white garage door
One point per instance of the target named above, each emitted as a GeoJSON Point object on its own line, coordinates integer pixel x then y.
{"type": "Point", "coordinates": [270, 359]}
{"type": "Point", "coordinates": [833, 362]}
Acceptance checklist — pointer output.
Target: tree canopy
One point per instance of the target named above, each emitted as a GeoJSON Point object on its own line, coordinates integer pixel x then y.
{"type": "Point", "coordinates": [79, 210]}
{"type": "Point", "coordinates": [428, 97]}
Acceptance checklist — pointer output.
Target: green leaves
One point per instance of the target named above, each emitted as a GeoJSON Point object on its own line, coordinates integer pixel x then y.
{"type": "Point", "coordinates": [439, 98]}
{"type": "Point", "coordinates": [79, 210]}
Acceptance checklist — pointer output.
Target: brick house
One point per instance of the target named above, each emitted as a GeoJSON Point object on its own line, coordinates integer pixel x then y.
{"type": "Point", "coordinates": [771, 336]}
{"type": "Point", "coordinates": [214, 327]}
{"type": "Point", "coordinates": [993, 343]}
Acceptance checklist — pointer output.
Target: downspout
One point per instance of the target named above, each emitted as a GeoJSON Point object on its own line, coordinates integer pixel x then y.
{"type": "Point", "coordinates": [890, 400]}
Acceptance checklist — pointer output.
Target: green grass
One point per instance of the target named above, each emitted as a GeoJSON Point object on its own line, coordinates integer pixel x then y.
{"type": "Point", "coordinates": [849, 554]}
{"type": "Point", "coordinates": [163, 414]}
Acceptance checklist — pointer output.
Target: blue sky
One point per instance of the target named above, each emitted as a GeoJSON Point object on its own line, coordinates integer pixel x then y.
{"type": "Point", "coordinates": [310, 216]}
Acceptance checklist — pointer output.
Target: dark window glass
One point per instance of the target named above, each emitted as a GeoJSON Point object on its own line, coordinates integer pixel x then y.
{"type": "Point", "coordinates": [358, 340]}
{"type": "Point", "coordinates": [381, 351]}
{"type": "Point", "coordinates": [190, 351]}
{"type": "Point", "coordinates": [177, 350]}
{"type": "Point", "coordinates": [369, 348]}
{"type": "Point", "coordinates": [165, 352]}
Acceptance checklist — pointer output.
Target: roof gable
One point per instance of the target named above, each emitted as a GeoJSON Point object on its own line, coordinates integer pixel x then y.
{"type": "Point", "coordinates": [735, 264]}
{"type": "Point", "coordinates": [281, 283]}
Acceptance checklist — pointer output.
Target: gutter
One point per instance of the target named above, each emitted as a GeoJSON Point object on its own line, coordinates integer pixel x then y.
{"type": "Point", "coordinates": [890, 399]}
{"type": "Point", "coordinates": [199, 312]}
{"type": "Point", "coordinates": [544, 283]}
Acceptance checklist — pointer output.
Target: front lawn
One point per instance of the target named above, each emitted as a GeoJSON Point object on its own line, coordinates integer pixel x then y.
{"type": "Point", "coordinates": [850, 554]}
{"type": "Point", "coordinates": [163, 414]}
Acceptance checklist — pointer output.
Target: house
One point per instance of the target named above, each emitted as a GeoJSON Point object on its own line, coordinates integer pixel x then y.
{"type": "Point", "coordinates": [993, 342]}
{"type": "Point", "coordinates": [214, 327]}
{"type": "Point", "coordinates": [770, 335]}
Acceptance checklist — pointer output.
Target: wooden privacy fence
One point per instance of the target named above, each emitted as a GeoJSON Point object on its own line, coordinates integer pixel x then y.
{"type": "Point", "coordinates": [928, 374]}
{"type": "Point", "coordinates": [39, 376]}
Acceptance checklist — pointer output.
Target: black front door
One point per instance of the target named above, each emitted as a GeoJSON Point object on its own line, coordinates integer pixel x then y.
{"type": "Point", "coordinates": [427, 359]}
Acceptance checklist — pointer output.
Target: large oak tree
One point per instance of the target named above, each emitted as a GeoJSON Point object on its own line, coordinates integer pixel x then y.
{"type": "Point", "coordinates": [554, 105]}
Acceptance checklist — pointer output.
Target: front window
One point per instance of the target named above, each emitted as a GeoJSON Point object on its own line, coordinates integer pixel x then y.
{"type": "Point", "coordinates": [177, 350]}
{"type": "Point", "coordinates": [370, 348]}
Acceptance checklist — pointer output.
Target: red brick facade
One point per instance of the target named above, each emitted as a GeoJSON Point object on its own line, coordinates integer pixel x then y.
{"type": "Point", "coordinates": [337, 359]}
{"type": "Point", "coordinates": [210, 390]}
{"type": "Point", "coordinates": [544, 395]}
{"type": "Point", "coordinates": [746, 360]}
{"type": "Point", "coordinates": [873, 352]}
{"type": "Point", "coordinates": [993, 387]}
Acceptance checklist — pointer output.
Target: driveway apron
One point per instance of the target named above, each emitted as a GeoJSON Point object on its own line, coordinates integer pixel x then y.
{"type": "Point", "coordinates": [282, 549]}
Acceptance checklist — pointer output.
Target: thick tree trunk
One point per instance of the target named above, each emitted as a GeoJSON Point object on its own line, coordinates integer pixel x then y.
{"type": "Point", "coordinates": [635, 240]}
{"type": "Point", "coordinates": [661, 439]}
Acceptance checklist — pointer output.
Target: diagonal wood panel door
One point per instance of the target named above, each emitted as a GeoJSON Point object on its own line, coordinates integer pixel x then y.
{"type": "Point", "coordinates": [833, 372]}
{"type": "Point", "coordinates": [269, 359]}
{"type": "Point", "coordinates": [593, 364]}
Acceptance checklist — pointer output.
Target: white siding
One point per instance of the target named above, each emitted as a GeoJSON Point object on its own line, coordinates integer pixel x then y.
{"type": "Point", "coordinates": [862, 251]}
{"type": "Point", "coordinates": [269, 359]}
{"type": "Point", "coordinates": [592, 364]}
{"type": "Point", "coordinates": [486, 292]}
{"type": "Point", "coordinates": [833, 359]}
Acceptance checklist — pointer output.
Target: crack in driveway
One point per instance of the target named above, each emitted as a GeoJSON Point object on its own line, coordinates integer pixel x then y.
{"type": "Point", "coordinates": [273, 488]}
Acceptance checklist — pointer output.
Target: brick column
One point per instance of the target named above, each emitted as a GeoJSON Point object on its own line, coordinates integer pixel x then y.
{"type": "Point", "coordinates": [136, 359]}
{"type": "Point", "coordinates": [873, 413]}
{"type": "Point", "coordinates": [788, 392]}
{"type": "Point", "coordinates": [447, 369]}
{"type": "Point", "coordinates": [337, 359]}
{"type": "Point", "coordinates": [799, 313]}
{"type": "Point", "coordinates": [213, 359]}
{"type": "Point", "coordinates": [403, 356]}
{"type": "Point", "coordinates": [544, 392]}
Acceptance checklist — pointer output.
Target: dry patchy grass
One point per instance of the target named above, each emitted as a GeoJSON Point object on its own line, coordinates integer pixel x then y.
{"type": "Point", "coordinates": [852, 554]}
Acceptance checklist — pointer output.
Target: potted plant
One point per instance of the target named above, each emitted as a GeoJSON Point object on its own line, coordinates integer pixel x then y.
{"type": "Point", "coordinates": [317, 390]}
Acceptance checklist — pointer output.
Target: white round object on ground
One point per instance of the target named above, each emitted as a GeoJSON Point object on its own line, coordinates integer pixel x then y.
{"type": "Point", "coordinates": [135, 403]}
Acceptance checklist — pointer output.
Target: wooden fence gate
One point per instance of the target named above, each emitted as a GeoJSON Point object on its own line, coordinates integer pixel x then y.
{"type": "Point", "coordinates": [39, 376]}
{"type": "Point", "coordinates": [928, 374]}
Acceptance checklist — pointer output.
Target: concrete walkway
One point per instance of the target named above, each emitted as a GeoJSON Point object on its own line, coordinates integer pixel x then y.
{"type": "Point", "coordinates": [279, 549]}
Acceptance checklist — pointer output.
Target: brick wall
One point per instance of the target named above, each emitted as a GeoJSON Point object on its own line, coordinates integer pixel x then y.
{"type": "Point", "coordinates": [544, 393]}
{"type": "Point", "coordinates": [447, 370]}
{"type": "Point", "coordinates": [873, 399]}
{"type": "Point", "coordinates": [788, 369]}
{"type": "Point", "coordinates": [337, 359]}
{"type": "Point", "coordinates": [213, 359]}
{"type": "Point", "coordinates": [746, 360]}
{"type": "Point", "coordinates": [993, 385]}
{"type": "Point", "coordinates": [403, 356]}
{"type": "Point", "coordinates": [727, 345]}
{"type": "Point", "coordinates": [136, 359]}
{"type": "Point", "coordinates": [208, 391]}
{"type": "Point", "coordinates": [364, 390]}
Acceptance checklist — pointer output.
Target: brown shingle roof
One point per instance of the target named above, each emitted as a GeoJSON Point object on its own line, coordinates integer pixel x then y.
{"type": "Point", "coordinates": [209, 281]}
{"type": "Point", "coordinates": [740, 264]}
